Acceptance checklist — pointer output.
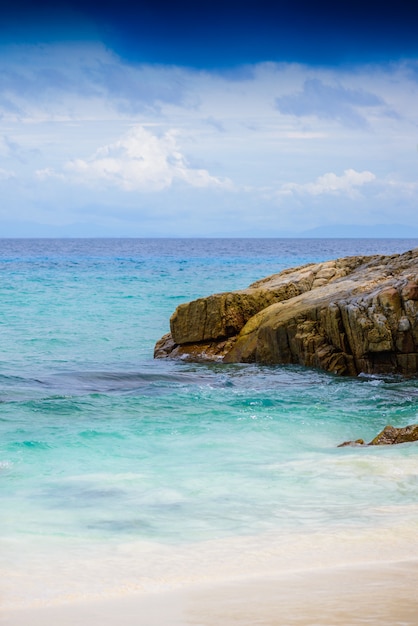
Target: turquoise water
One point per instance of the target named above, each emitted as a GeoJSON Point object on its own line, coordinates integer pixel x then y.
{"type": "Point", "coordinates": [122, 467]}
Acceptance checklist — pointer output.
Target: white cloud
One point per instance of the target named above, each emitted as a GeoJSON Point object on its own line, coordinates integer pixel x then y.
{"type": "Point", "coordinates": [6, 174]}
{"type": "Point", "coordinates": [330, 183]}
{"type": "Point", "coordinates": [139, 161]}
{"type": "Point", "coordinates": [48, 172]}
{"type": "Point", "coordinates": [260, 127]}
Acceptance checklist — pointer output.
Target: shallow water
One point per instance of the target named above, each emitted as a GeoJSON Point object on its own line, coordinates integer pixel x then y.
{"type": "Point", "coordinates": [115, 469]}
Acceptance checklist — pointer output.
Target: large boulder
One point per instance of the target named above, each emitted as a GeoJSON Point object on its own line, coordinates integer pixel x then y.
{"type": "Point", "coordinates": [351, 315]}
{"type": "Point", "coordinates": [223, 315]}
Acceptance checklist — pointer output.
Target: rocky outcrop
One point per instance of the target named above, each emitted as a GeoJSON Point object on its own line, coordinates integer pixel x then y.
{"type": "Point", "coordinates": [351, 315]}
{"type": "Point", "coordinates": [389, 436]}
{"type": "Point", "coordinates": [223, 315]}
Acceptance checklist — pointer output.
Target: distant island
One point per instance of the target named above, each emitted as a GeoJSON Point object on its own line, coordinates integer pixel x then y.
{"type": "Point", "coordinates": [31, 230]}
{"type": "Point", "coordinates": [357, 231]}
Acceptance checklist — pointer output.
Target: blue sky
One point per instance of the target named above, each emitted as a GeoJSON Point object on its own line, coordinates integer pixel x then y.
{"type": "Point", "coordinates": [208, 119]}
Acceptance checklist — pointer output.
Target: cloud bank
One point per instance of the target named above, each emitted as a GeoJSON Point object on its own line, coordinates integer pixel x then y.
{"type": "Point", "coordinates": [329, 102]}
{"type": "Point", "coordinates": [86, 137]}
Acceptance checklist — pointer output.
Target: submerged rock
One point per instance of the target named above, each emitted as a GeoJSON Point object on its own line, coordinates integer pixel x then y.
{"type": "Point", "coordinates": [351, 315]}
{"type": "Point", "coordinates": [352, 444]}
{"type": "Point", "coordinates": [389, 436]}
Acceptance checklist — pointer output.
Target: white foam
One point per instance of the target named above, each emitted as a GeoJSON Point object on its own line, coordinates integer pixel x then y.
{"type": "Point", "coordinates": [48, 571]}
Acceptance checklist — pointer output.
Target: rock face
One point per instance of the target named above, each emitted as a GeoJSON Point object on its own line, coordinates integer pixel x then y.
{"type": "Point", "coordinates": [389, 436]}
{"type": "Point", "coordinates": [351, 315]}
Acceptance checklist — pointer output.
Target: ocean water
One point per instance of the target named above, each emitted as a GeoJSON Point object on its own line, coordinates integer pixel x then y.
{"type": "Point", "coordinates": [122, 473]}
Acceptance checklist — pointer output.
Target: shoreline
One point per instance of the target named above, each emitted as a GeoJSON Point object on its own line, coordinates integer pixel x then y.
{"type": "Point", "coordinates": [381, 593]}
{"type": "Point", "coordinates": [218, 582]}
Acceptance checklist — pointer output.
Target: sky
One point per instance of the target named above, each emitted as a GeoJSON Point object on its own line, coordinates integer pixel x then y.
{"type": "Point", "coordinates": [208, 119]}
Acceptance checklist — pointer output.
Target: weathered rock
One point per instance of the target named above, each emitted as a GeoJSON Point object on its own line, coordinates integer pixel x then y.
{"type": "Point", "coordinates": [351, 315]}
{"type": "Point", "coordinates": [389, 436]}
{"type": "Point", "coordinates": [224, 314]}
{"type": "Point", "coordinates": [352, 444]}
{"type": "Point", "coordinates": [204, 351]}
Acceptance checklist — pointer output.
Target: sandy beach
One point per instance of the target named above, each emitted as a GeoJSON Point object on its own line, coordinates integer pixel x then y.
{"type": "Point", "coordinates": [344, 579]}
{"type": "Point", "coordinates": [383, 594]}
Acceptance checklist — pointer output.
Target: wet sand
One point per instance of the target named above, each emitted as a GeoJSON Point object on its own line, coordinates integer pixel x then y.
{"type": "Point", "coordinates": [379, 594]}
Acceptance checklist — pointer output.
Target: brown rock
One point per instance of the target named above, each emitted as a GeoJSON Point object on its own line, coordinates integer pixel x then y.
{"type": "Point", "coordinates": [391, 435]}
{"type": "Point", "coordinates": [197, 352]}
{"type": "Point", "coordinates": [352, 444]}
{"type": "Point", "coordinates": [351, 315]}
{"type": "Point", "coordinates": [224, 314]}
{"type": "Point", "coordinates": [410, 291]}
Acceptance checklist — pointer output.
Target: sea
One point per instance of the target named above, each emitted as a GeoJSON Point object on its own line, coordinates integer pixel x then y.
{"type": "Point", "coordinates": [124, 474]}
